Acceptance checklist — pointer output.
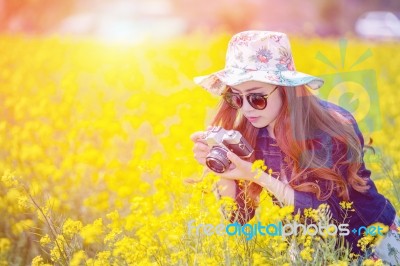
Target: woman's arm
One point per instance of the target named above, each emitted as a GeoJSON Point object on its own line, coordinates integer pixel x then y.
{"type": "Point", "coordinates": [283, 192]}
{"type": "Point", "coordinates": [246, 211]}
{"type": "Point", "coordinates": [230, 188]}
{"type": "Point", "coordinates": [228, 184]}
{"type": "Point", "coordinates": [225, 188]}
{"type": "Point", "coordinates": [243, 170]}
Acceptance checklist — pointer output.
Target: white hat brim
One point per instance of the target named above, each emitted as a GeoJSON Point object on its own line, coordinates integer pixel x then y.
{"type": "Point", "coordinates": [217, 82]}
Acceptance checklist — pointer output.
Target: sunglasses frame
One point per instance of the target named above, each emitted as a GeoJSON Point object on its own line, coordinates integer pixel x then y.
{"type": "Point", "coordinates": [247, 96]}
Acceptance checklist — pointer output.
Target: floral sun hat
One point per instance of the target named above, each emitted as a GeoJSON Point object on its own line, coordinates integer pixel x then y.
{"type": "Point", "coordinates": [263, 56]}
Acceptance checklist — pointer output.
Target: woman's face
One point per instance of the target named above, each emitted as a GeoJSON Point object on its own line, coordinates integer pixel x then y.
{"type": "Point", "coordinates": [267, 116]}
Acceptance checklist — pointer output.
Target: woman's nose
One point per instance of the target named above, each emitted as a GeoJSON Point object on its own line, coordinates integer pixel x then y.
{"type": "Point", "coordinates": [246, 106]}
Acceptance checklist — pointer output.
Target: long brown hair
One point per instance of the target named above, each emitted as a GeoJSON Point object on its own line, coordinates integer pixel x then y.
{"type": "Point", "coordinates": [300, 117]}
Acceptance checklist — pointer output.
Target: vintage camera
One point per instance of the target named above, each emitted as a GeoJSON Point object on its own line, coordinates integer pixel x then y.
{"type": "Point", "coordinates": [221, 141]}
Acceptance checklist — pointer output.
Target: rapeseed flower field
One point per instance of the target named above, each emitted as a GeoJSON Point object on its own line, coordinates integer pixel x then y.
{"type": "Point", "coordinates": [95, 151]}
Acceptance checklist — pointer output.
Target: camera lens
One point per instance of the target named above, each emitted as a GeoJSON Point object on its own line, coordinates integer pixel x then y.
{"type": "Point", "coordinates": [217, 160]}
{"type": "Point", "coordinates": [215, 165]}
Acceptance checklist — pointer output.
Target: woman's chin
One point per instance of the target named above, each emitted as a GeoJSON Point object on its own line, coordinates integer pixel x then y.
{"type": "Point", "coordinates": [258, 124]}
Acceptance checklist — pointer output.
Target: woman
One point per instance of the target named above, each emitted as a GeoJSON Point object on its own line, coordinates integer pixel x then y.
{"type": "Point", "coordinates": [314, 147]}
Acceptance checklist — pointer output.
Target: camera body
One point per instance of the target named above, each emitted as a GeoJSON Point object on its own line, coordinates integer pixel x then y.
{"type": "Point", "coordinates": [221, 141]}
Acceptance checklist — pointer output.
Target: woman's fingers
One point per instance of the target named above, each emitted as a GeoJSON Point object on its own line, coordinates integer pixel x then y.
{"type": "Point", "coordinates": [200, 151]}
{"type": "Point", "coordinates": [200, 147]}
{"type": "Point", "coordinates": [200, 160]}
{"type": "Point", "coordinates": [196, 136]}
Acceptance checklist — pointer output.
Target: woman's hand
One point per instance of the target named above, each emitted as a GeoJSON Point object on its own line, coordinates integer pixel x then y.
{"type": "Point", "coordinates": [239, 169]}
{"type": "Point", "coordinates": [200, 148]}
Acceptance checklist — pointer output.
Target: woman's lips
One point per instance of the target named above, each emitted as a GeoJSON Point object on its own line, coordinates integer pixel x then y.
{"type": "Point", "coordinates": [252, 119]}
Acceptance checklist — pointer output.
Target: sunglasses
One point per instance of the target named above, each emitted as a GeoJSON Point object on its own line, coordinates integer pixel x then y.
{"type": "Point", "coordinates": [256, 100]}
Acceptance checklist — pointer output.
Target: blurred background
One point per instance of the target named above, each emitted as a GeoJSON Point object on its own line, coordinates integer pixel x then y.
{"type": "Point", "coordinates": [133, 20]}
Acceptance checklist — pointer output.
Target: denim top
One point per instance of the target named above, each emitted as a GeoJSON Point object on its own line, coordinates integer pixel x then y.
{"type": "Point", "coordinates": [369, 207]}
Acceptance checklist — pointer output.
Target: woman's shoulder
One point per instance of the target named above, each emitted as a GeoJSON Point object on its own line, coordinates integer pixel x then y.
{"type": "Point", "coordinates": [342, 115]}
{"type": "Point", "coordinates": [331, 107]}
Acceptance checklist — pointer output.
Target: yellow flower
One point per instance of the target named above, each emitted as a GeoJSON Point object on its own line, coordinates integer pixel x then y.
{"type": "Point", "coordinates": [78, 258]}
{"type": "Point", "coordinates": [22, 226]}
{"type": "Point", "coordinates": [323, 206]}
{"type": "Point", "coordinates": [125, 248]}
{"type": "Point", "coordinates": [91, 232]}
{"type": "Point", "coordinates": [365, 242]}
{"type": "Point", "coordinates": [5, 245]}
{"type": "Point", "coordinates": [38, 261]}
{"type": "Point", "coordinates": [286, 212]}
{"type": "Point", "coordinates": [384, 228]}
{"type": "Point", "coordinates": [270, 171]}
{"type": "Point", "coordinates": [379, 263]}
{"type": "Point", "coordinates": [346, 205]}
{"type": "Point", "coordinates": [178, 257]}
{"type": "Point", "coordinates": [339, 263]}
{"type": "Point", "coordinates": [24, 202]}
{"type": "Point", "coordinates": [306, 254]}
{"type": "Point", "coordinates": [368, 262]}
{"type": "Point", "coordinates": [9, 179]}
{"type": "Point", "coordinates": [71, 227]}
{"type": "Point", "coordinates": [102, 258]}
{"type": "Point", "coordinates": [312, 213]}
{"type": "Point", "coordinates": [282, 247]}
{"type": "Point", "coordinates": [258, 167]}
{"type": "Point", "coordinates": [113, 216]}
{"type": "Point", "coordinates": [112, 236]}
{"type": "Point", "coordinates": [44, 240]}
{"type": "Point", "coordinates": [353, 256]}
{"type": "Point", "coordinates": [56, 253]}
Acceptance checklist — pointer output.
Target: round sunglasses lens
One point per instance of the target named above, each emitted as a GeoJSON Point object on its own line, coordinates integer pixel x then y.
{"type": "Point", "coordinates": [257, 101]}
{"type": "Point", "coordinates": [234, 100]}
